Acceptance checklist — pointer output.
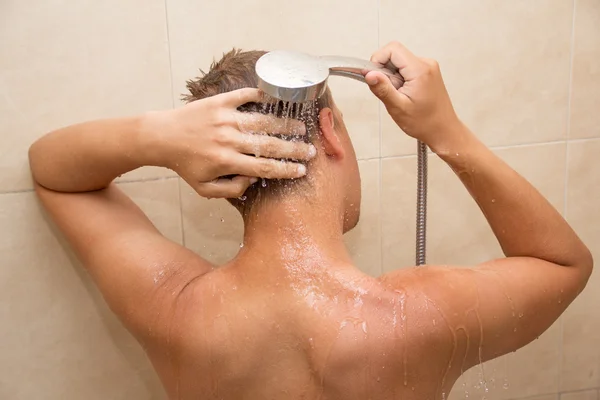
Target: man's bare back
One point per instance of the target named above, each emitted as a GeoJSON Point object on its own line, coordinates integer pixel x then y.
{"type": "Point", "coordinates": [290, 316]}
{"type": "Point", "coordinates": [343, 336]}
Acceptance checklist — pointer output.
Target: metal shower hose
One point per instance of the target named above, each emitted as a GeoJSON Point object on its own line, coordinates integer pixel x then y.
{"type": "Point", "coordinates": [421, 231]}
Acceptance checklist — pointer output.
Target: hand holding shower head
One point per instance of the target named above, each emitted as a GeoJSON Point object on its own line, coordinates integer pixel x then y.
{"type": "Point", "coordinates": [299, 77]}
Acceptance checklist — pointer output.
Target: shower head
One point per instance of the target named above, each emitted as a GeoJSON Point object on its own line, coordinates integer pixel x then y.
{"type": "Point", "coordinates": [299, 77]}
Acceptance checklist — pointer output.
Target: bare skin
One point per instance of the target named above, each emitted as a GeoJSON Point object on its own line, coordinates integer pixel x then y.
{"type": "Point", "coordinates": [291, 317]}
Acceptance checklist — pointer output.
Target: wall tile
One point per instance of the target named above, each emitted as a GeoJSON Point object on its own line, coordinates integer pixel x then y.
{"type": "Point", "coordinates": [364, 241]}
{"type": "Point", "coordinates": [583, 395]}
{"type": "Point", "coordinates": [471, 384]}
{"type": "Point", "coordinates": [159, 200]}
{"type": "Point", "coordinates": [585, 84]}
{"type": "Point", "coordinates": [535, 369]}
{"type": "Point", "coordinates": [62, 63]}
{"type": "Point", "coordinates": [212, 228]}
{"type": "Point", "coordinates": [457, 231]}
{"type": "Point", "coordinates": [530, 371]}
{"type": "Point", "coordinates": [505, 63]}
{"type": "Point", "coordinates": [58, 338]}
{"type": "Point", "coordinates": [581, 337]}
{"type": "Point", "coordinates": [307, 28]}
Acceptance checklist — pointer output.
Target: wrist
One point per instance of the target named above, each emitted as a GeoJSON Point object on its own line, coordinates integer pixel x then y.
{"type": "Point", "coordinates": [453, 138]}
{"type": "Point", "coordinates": [150, 142]}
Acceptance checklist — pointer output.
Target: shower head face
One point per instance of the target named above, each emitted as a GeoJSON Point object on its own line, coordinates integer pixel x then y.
{"type": "Point", "coordinates": [292, 76]}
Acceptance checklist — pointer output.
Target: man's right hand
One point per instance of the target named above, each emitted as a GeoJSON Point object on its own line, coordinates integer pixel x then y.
{"type": "Point", "coordinates": [421, 107]}
{"type": "Point", "coordinates": [209, 139]}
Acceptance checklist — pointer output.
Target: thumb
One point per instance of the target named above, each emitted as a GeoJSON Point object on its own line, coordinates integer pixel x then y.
{"type": "Point", "coordinates": [382, 87]}
{"type": "Point", "coordinates": [225, 188]}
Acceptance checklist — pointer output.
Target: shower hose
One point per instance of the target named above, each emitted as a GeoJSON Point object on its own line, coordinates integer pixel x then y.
{"type": "Point", "coordinates": [421, 231]}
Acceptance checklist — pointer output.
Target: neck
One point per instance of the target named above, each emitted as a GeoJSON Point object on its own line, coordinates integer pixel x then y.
{"type": "Point", "coordinates": [294, 232]}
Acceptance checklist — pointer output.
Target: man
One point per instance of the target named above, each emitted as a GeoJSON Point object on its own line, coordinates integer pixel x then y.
{"type": "Point", "coordinates": [290, 317]}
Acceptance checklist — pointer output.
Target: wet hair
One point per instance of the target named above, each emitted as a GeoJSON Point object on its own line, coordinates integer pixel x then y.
{"type": "Point", "coordinates": [236, 70]}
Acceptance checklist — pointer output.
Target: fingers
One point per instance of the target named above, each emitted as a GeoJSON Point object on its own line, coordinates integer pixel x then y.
{"type": "Point", "coordinates": [269, 124]}
{"type": "Point", "coordinates": [272, 147]}
{"type": "Point", "coordinates": [225, 188]}
{"type": "Point", "coordinates": [266, 168]}
{"type": "Point", "coordinates": [239, 97]}
{"type": "Point", "coordinates": [399, 56]}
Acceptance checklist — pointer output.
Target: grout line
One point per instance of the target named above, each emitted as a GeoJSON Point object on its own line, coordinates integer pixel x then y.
{"type": "Point", "coordinates": [169, 52]}
{"type": "Point", "coordinates": [413, 155]}
{"type": "Point", "coordinates": [559, 393]}
{"type": "Point", "coordinates": [17, 191]}
{"type": "Point", "coordinates": [512, 146]}
{"type": "Point", "coordinates": [566, 182]}
{"type": "Point", "coordinates": [116, 182]}
{"type": "Point", "coordinates": [153, 179]}
{"type": "Point", "coordinates": [593, 389]}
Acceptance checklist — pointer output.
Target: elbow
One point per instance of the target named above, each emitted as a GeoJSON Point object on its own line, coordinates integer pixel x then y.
{"type": "Point", "coordinates": [585, 266]}
{"type": "Point", "coordinates": [38, 165]}
{"type": "Point", "coordinates": [33, 157]}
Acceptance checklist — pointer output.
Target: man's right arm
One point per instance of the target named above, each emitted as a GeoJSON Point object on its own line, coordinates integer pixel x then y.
{"type": "Point", "coordinates": [517, 298]}
{"type": "Point", "coordinates": [502, 304]}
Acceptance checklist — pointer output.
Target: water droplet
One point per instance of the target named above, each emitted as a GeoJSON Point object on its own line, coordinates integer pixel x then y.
{"type": "Point", "coordinates": [222, 219]}
{"type": "Point", "coordinates": [505, 384]}
{"type": "Point", "coordinates": [263, 183]}
{"type": "Point", "coordinates": [514, 330]}
{"type": "Point", "coordinates": [521, 315]}
{"type": "Point", "coordinates": [243, 198]}
{"type": "Point", "coordinates": [378, 379]}
{"type": "Point", "coordinates": [241, 245]}
{"type": "Point", "coordinates": [493, 200]}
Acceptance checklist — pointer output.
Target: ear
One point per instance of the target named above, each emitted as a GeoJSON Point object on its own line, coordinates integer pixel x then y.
{"type": "Point", "coordinates": [329, 137]}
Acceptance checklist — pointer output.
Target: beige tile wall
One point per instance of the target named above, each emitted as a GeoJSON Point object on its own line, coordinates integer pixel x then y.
{"type": "Point", "coordinates": [525, 75]}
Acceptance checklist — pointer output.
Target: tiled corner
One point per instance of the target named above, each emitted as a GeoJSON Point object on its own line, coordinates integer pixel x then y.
{"type": "Point", "coordinates": [307, 27]}
{"type": "Point", "coordinates": [159, 200]}
{"type": "Point", "coordinates": [63, 63]}
{"type": "Point", "coordinates": [581, 395]}
{"type": "Point", "coordinates": [364, 241]}
{"type": "Point", "coordinates": [58, 338]}
{"type": "Point", "coordinates": [457, 232]}
{"type": "Point", "coordinates": [505, 63]}
{"type": "Point", "coordinates": [581, 350]}
{"type": "Point", "coordinates": [585, 84]}
{"type": "Point", "coordinates": [212, 228]}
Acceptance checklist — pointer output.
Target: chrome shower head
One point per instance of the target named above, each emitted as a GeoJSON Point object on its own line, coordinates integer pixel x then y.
{"type": "Point", "coordinates": [299, 77]}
